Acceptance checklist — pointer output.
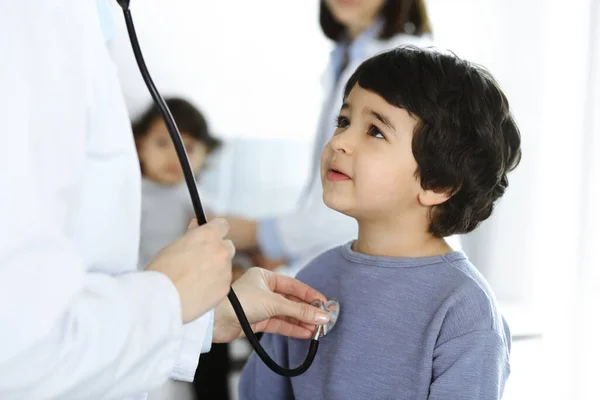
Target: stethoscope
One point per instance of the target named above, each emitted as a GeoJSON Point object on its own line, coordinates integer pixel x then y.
{"type": "Point", "coordinates": [331, 306]}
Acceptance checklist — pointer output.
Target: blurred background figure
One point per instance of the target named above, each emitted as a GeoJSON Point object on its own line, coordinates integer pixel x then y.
{"type": "Point", "coordinates": [164, 188]}
{"type": "Point", "coordinates": [257, 72]}
{"type": "Point", "coordinates": [163, 184]}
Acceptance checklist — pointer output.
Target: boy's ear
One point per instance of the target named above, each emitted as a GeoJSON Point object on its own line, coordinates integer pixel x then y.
{"type": "Point", "coordinates": [430, 198]}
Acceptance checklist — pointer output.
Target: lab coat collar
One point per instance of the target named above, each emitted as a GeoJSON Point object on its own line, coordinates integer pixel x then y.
{"type": "Point", "coordinates": [107, 21]}
{"type": "Point", "coordinates": [357, 49]}
{"type": "Point", "coordinates": [366, 45]}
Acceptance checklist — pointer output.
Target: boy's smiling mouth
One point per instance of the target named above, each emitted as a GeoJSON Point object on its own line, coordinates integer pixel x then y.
{"type": "Point", "coordinates": [334, 174]}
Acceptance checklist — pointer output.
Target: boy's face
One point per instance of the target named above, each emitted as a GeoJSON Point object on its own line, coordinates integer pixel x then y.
{"type": "Point", "coordinates": [159, 159]}
{"type": "Point", "coordinates": [368, 168]}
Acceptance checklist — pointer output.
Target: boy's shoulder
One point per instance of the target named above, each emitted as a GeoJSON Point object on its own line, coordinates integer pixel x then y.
{"type": "Point", "coordinates": [470, 304]}
{"type": "Point", "coordinates": [318, 265]}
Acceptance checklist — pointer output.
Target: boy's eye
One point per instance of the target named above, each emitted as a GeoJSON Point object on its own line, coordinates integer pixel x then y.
{"type": "Point", "coordinates": [342, 122]}
{"type": "Point", "coordinates": [375, 132]}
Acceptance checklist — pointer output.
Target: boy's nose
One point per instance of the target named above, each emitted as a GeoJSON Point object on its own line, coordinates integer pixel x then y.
{"type": "Point", "coordinates": [343, 142]}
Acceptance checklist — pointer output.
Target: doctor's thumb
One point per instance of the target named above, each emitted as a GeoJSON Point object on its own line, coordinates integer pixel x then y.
{"type": "Point", "coordinates": [193, 223]}
{"type": "Point", "coordinates": [303, 312]}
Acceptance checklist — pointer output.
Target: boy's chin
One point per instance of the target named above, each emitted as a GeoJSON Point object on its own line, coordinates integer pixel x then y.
{"type": "Point", "coordinates": [339, 205]}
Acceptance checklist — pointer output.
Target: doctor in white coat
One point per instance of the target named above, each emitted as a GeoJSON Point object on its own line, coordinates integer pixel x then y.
{"type": "Point", "coordinates": [77, 321]}
{"type": "Point", "coordinates": [360, 30]}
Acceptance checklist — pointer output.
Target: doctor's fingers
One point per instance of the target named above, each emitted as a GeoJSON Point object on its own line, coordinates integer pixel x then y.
{"type": "Point", "coordinates": [282, 326]}
{"type": "Point", "coordinates": [294, 321]}
{"type": "Point", "coordinates": [288, 286]}
{"type": "Point", "coordinates": [304, 313]}
{"type": "Point", "coordinates": [212, 231]}
{"type": "Point", "coordinates": [221, 251]}
{"type": "Point", "coordinates": [229, 248]}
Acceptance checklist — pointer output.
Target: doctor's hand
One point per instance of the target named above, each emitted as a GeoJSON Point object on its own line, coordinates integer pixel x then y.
{"type": "Point", "coordinates": [199, 265]}
{"type": "Point", "coordinates": [242, 233]}
{"type": "Point", "coordinates": [273, 303]}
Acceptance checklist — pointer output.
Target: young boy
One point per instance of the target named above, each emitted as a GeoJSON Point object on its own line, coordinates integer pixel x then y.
{"type": "Point", "coordinates": [423, 144]}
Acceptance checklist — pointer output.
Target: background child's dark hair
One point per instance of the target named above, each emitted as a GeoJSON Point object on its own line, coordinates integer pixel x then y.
{"type": "Point", "coordinates": [399, 16]}
{"type": "Point", "coordinates": [466, 140]}
{"type": "Point", "coordinates": [187, 117]}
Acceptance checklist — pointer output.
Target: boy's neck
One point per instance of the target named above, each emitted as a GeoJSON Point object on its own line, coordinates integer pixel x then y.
{"type": "Point", "coordinates": [397, 238]}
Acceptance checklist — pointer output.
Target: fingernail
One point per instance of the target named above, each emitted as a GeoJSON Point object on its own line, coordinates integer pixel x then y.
{"type": "Point", "coordinates": [322, 318]}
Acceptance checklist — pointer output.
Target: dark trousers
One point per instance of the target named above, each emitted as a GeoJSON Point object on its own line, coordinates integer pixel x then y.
{"type": "Point", "coordinates": [214, 368]}
{"type": "Point", "coordinates": [212, 376]}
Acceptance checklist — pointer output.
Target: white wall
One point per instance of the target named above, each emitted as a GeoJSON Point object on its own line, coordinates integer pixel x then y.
{"type": "Point", "coordinates": [540, 247]}
{"type": "Point", "coordinates": [588, 323]}
{"type": "Point", "coordinates": [254, 73]}
{"type": "Point", "coordinates": [507, 37]}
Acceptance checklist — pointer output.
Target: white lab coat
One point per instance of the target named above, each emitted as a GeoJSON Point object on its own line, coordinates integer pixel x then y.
{"type": "Point", "coordinates": [76, 321]}
{"type": "Point", "coordinates": [314, 227]}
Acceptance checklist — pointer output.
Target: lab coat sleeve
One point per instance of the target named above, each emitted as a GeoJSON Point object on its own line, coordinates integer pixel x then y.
{"type": "Point", "coordinates": [258, 382]}
{"type": "Point", "coordinates": [81, 335]}
{"type": "Point", "coordinates": [192, 346]}
{"type": "Point", "coordinates": [470, 367]}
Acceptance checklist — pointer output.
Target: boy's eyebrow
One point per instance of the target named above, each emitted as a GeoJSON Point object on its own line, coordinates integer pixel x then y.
{"type": "Point", "coordinates": [384, 120]}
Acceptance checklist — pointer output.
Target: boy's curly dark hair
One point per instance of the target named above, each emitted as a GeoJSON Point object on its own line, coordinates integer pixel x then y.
{"type": "Point", "coordinates": [466, 140]}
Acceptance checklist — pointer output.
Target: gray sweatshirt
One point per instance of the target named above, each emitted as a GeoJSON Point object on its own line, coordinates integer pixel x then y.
{"type": "Point", "coordinates": [166, 213]}
{"type": "Point", "coordinates": [409, 328]}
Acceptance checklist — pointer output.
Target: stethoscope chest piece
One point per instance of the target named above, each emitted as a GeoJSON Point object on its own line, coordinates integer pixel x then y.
{"type": "Point", "coordinates": [333, 308]}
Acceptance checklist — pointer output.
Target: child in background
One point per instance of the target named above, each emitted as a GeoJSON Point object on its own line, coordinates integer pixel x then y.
{"type": "Point", "coordinates": [167, 211]}
{"type": "Point", "coordinates": [166, 205]}
{"type": "Point", "coordinates": [423, 145]}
